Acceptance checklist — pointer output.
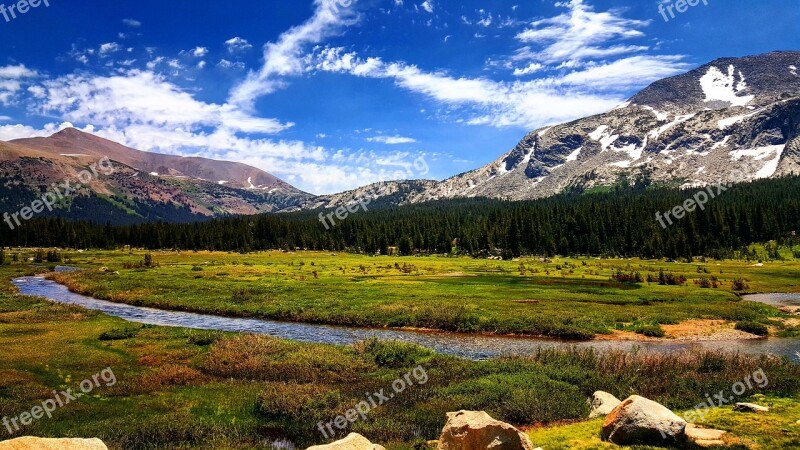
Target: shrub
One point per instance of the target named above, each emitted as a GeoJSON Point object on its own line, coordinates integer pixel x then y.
{"type": "Point", "coordinates": [668, 279]}
{"type": "Point", "coordinates": [392, 354]}
{"type": "Point", "coordinates": [739, 284]}
{"type": "Point", "coordinates": [622, 277]}
{"type": "Point", "coordinates": [707, 283]}
{"type": "Point", "coordinates": [204, 338]}
{"type": "Point", "coordinates": [119, 334]}
{"type": "Point", "coordinates": [759, 329]}
{"type": "Point", "coordinates": [650, 330]}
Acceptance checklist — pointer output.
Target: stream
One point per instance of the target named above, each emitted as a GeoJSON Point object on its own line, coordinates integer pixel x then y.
{"type": "Point", "coordinates": [476, 347]}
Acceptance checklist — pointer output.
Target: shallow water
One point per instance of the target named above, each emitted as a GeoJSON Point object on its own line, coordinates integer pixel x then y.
{"type": "Point", "coordinates": [775, 299]}
{"type": "Point", "coordinates": [467, 346]}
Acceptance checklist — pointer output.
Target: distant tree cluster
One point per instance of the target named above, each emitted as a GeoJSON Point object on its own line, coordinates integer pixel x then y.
{"type": "Point", "coordinates": [619, 222]}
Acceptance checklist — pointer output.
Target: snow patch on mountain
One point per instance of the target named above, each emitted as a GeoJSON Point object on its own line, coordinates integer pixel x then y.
{"type": "Point", "coordinates": [678, 120]}
{"type": "Point", "coordinates": [602, 135]}
{"type": "Point", "coordinates": [659, 115]}
{"type": "Point", "coordinates": [718, 86]}
{"type": "Point", "coordinates": [574, 155]}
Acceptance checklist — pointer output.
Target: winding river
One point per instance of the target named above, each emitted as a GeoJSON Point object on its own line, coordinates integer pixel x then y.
{"type": "Point", "coordinates": [462, 345]}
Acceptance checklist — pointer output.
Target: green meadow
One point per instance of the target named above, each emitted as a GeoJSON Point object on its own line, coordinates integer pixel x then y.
{"type": "Point", "coordinates": [572, 298]}
{"type": "Point", "coordinates": [181, 388]}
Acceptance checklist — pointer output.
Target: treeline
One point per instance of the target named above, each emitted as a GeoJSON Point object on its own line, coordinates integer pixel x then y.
{"type": "Point", "coordinates": [620, 222]}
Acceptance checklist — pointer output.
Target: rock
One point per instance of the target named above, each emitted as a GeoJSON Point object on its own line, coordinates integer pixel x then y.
{"type": "Point", "coordinates": [704, 437]}
{"type": "Point", "coordinates": [476, 430]}
{"type": "Point", "coordinates": [353, 441]}
{"type": "Point", "coordinates": [638, 420]}
{"type": "Point", "coordinates": [749, 407]}
{"type": "Point", "coordinates": [602, 403]}
{"type": "Point", "coordinates": [35, 443]}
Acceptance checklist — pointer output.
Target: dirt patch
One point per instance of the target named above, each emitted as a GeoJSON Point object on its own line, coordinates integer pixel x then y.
{"type": "Point", "coordinates": [690, 330]}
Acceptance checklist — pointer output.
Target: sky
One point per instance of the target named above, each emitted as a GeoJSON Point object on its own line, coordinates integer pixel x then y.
{"type": "Point", "coordinates": [330, 95]}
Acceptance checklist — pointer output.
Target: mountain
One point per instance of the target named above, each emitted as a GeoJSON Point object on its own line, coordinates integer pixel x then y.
{"type": "Point", "coordinates": [144, 186]}
{"type": "Point", "coordinates": [734, 119]}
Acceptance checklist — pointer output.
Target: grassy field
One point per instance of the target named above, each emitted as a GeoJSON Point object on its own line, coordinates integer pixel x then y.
{"type": "Point", "coordinates": [180, 388]}
{"type": "Point", "coordinates": [565, 298]}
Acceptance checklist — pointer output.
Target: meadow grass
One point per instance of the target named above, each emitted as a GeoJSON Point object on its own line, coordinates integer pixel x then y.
{"type": "Point", "coordinates": [572, 298]}
{"type": "Point", "coordinates": [181, 388]}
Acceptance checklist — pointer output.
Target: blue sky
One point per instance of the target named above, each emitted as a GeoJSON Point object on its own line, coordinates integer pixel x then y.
{"type": "Point", "coordinates": [334, 94]}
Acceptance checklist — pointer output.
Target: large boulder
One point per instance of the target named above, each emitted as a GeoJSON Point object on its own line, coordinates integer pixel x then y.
{"type": "Point", "coordinates": [35, 443]}
{"type": "Point", "coordinates": [638, 420]}
{"type": "Point", "coordinates": [476, 430]}
{"type": "Point", "coordinates": [353, 441]}
{"type": "Point", "coordinates": [602, 403]}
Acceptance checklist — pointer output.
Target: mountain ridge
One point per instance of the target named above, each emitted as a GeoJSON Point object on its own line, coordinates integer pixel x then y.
{"type": "Point", "coordinates": [730, 120]}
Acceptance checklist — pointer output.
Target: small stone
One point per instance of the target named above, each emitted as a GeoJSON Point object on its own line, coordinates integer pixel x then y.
{"type": "Point", "coordinates": [602, 403]}
{"type": "Point", "coordinates": [353, 441]}
{"type": "Point", "coordinates": [704, 437]}
{"type": "Point", "coordinates": [750, 407]}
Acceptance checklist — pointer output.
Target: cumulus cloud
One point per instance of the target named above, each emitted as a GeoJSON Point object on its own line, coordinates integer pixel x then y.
{"type": "Point", "coordinates": [12, 79]}
{"type": "Point", "coordinates": [143, 98]}
{"type": "Point", "coordinates": [237, 44]}
{"type": "Point", "coordinates": [199, 52]}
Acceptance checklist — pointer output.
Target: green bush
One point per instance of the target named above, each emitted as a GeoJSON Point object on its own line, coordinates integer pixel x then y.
{"type": "Point", "coordinates": [392, 354]}
{"type": "Point", "coordinates": [759, 329]}
{"type": "Point", "coordinates": [650, 330]}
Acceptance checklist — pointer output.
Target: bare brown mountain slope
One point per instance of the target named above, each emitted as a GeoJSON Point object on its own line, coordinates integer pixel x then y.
{"type": "Point", "coordinates": [232, 174]}
{"type": "Point", "coordinates": [144, 186]}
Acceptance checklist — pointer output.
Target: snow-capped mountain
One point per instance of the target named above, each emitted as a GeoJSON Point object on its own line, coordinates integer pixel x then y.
{"type": "Point", "coordinates": [734, 119]}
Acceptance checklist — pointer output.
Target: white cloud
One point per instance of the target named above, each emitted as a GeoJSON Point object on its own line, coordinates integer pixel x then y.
{"type": "Point", "coordinates": [392, 140]}
{"type": "Point", "coordinates": [237, 44]}
{"type": "Point", "coordinates": [16, 72]}
{"type": "Point", "coordinates": [581, 33]}
{"type": "Point", "coordinates": [284, 57]}
{"type": "Point", "coordinates": [529, 104]}
{"type": "Point", "coordinates": [132, 23]}
{"type": "Point", "coordinates": [107, 48]}
{"type": "Point", "coordinates": [225, 64]}
{"type": "Point", "coordinates": [427, 5]}
{"type": "Point", "coordinates": [11, 132]}
{"type": "Point", "coordinates": [199, 52]}
{"type": "Point", "coordinates": [11, 81]}
{"type": "Point", "coordinates": [143, 98]}
{"type": "Point", "coordinates": [532, 68]}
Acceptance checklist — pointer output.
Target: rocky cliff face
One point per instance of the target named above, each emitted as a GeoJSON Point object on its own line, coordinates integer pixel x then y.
{"type": "Point", "coordinates": [734, 119]}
